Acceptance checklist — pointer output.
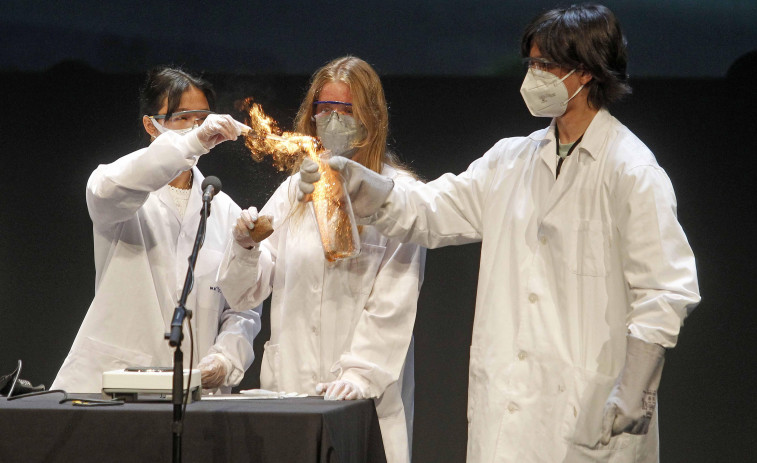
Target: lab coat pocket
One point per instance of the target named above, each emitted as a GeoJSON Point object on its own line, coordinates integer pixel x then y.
{"type": "Point", "coordinates": [270, 367]}
{"type": "Point", "coordinates": [364, 268]}
{"type": "Point", "coordinates": [584, 414]}
{"type": "Point", "coordinates": [587, 247]}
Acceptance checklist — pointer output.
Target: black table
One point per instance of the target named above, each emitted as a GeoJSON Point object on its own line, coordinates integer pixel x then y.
{"type": "Point", "coordinates": [39, 429]}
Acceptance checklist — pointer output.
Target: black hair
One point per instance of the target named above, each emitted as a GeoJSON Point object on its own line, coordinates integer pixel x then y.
{"type": "Point", "coordinates": [584, 37]}
{"type": "Point", "coordinates": [170, 83]}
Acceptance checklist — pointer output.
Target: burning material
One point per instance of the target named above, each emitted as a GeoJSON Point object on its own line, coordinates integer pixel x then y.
{"type": "Point", "coordinates": [266, 139]}
{"type": "Point", "coordinates": [331, 204]}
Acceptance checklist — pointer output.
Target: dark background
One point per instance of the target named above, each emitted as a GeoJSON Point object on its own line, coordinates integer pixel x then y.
{"type": "Point", "coordinates": [70, 89]}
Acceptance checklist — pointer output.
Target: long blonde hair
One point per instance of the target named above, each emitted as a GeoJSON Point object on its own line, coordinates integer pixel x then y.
{"type": "Point", "coordinates": [368, 108]}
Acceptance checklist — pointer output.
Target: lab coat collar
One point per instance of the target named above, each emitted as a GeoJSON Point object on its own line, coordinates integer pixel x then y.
{"type": "Point", "coordinates": [592, 141]}
{"type": "Point", "coordinates": [195, 197]}
{"type": "Point", "coordinates": [596, 134]}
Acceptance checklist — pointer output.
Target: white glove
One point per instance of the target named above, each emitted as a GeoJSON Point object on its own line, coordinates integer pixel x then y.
{"type": "Point", "coordinates": [340, 389]}
{"type": "Point", "coordinates": [245, 223]}
{"type": "Point", "coordinates": [213, 372]}
{"type": "Point", "coordinates": [218, 128]}
{"type": "Point", "coordinates": [633, 399]}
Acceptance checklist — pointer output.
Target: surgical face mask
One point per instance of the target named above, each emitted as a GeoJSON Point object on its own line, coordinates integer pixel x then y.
{"type": "Point", "coordinates": [339, 133]}
{"type": "Point", "coordinates": [545, 94]}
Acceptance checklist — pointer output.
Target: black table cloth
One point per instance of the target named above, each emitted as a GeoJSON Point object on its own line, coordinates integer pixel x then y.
{"type": "Point", "coordinates": [39, 429]}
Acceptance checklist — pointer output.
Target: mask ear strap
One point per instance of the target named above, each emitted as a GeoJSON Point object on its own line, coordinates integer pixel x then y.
{"type": "Point", "coordinates": [567, 75]}
{"type": "Point", "coordinates": [579, 89]}
{"type": "Point", "coordinates": [158, 125]}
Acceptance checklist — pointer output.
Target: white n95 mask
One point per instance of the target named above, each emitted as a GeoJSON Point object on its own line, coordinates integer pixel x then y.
{"type": "Point", "coordinates": [339, 133]}
{"type": "Point", "coordinates": [545, 94]}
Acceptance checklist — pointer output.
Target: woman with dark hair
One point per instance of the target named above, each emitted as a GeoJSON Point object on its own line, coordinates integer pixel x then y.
{"type": "Point", "coordinates": [145, 210]}
{"type": "Point", "coordinates": [586, 275]}
{"type": "Point", "coordinates": [341, 329]}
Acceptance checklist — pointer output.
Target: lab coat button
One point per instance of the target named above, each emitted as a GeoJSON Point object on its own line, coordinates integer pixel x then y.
{"type": "Point", "coordinates": [522, 355]}
{"type": "Point", "coordinates": [315, 331]}
{"type": "Point", "coordinates": [543, 239]}
{"type": "Point", "coordinates": [512, 408]}
{"type": "Point", "coordinates": [533, 297]}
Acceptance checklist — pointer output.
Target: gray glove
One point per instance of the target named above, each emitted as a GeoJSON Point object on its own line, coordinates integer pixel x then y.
{"type": "Point", "coordinates": [633, 399]}
{"type": "Point", "coordinates": [367, 189]}
{"type": "Point", "coordinates": [308, 176]}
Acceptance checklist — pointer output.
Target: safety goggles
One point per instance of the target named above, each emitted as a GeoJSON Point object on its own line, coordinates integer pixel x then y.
{"type": "Point", "coordinates": [183, 119]}
{"type": "Point", "coordinates": [327, 107]}
{"type": "Point", "coordinates": [540, 64]}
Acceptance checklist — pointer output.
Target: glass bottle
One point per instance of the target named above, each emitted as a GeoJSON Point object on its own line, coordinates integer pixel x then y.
{"type": "Point", "coordinates": [333, 213]}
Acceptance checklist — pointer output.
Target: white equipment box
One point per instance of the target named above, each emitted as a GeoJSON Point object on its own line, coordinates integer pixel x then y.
{"type": "Point", "coordinates": [148, 384]}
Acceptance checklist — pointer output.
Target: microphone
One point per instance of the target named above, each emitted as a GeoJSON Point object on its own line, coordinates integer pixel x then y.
{"type": "Point", "coordinates": [210, 187]}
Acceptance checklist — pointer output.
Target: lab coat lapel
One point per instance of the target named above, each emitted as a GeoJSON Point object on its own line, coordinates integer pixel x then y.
{"type": "Point", "coordinates": [187, 235]}
{"type": "Point", "coordinates": [164, 195]}
{"type": "Point", "coordinates": [194, 205]}
{"type": "Point", "coordinates": [560, 185]}
{"type": "Point", "coordinates": [574, 165]}
{"type": "Point", "coordinates": [564, 182]}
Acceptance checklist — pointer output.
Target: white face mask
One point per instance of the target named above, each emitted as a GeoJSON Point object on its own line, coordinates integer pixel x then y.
{"type": "Point", "coordinates": [545, 94]}
{"type": "Point", "coordinates": [339, 133]}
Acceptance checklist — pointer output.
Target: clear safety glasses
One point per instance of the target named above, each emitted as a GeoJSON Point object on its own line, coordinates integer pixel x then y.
{"type": "Point", "coordinates": [540, 64]}
{"type": "Point", "coordinates": [183, 119]}
{"type": "Point", "coordinates": [327, 107]}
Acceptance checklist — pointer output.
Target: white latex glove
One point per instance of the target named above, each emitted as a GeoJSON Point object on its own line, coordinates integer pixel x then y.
{"type": "Point", "coordinates": [308, 176]}
{"type": "Point", "coordinates": [245, 223]}
{"type": "Point", "coordinates": [213, 372]}
{"type": "Point", "coordinates": [633, 399]}
{"type": "Point", "coordinates": [218, 128]}
{"type": "Point", "coordinates": [340, 389]}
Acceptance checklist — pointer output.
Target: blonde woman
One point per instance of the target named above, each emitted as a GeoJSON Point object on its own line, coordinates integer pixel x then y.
{"type": "Point", "coordinates": [342, 329]}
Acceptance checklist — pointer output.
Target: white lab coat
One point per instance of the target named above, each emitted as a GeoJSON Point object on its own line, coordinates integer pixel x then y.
{"type": "Point", "coordinates": [348, 320]}
{"type": "Point", "coordinates": [141, 251]}
{"type": "Point", "coordinates": [568, 268]}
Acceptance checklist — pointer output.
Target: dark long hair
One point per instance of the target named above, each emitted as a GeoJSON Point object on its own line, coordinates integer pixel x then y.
{"type": "Point", "coordinates": [586, 37]}
{"type": "Point", "coordinates": [169, 83]}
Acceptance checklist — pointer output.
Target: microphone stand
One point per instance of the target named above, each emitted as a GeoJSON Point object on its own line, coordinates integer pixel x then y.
{"type": "Point", "coordinates": [176, 335]}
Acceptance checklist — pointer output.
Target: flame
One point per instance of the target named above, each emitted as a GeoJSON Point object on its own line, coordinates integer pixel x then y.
{"type": "Point", "coordinates": [333, 211]}
{"type": "Point", "coordinates": [266, 139]}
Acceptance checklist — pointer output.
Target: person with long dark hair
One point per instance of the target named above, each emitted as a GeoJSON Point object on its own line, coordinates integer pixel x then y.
{"type": "Point", "coordinates": [145, 210]}
{"type": "Point", "coordinates": [586, 275]}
